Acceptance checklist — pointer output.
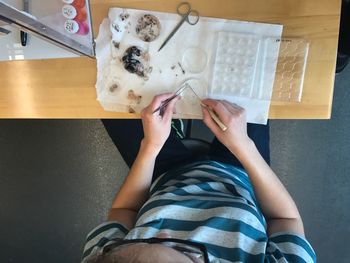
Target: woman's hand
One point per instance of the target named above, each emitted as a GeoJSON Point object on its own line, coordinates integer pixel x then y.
{"type": "Point", "coordinates": [235, 138]}
{"type": "Point", "coordinates": [156, 126]}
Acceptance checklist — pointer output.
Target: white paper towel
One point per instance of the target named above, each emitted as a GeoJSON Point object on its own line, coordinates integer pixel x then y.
{"type": "Point", "coordinates": [164, 76]}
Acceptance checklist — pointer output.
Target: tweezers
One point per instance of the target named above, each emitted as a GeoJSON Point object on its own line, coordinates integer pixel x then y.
{"type": "Point", "coordinates": [212, 114]}
{"type": "Point", "coordinates": [167, 101]}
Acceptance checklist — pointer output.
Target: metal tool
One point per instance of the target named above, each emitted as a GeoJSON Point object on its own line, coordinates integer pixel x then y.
{"type": "Point", "coordinates": [212, 114]}
{"type": "Point", "coordinates": [188, 15]}
{"type": "Point", "coordinates": [24, 35]}
{"type": "Point", "coordinates": [167, 101]}
{"type": "Point", "coordinates": [4, 31]}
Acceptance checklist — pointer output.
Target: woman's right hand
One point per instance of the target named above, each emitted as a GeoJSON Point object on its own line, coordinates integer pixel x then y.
{"type": "Point", "coordinates": [235, 138]}
{"type": "Point", "coordinates": [156, 126]}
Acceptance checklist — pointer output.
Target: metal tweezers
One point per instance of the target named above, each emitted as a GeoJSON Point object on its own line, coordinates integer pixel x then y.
{"type": "Point", "coordinates": [167, 101]}
{"type": "Point", "coordinates": [212, 114]}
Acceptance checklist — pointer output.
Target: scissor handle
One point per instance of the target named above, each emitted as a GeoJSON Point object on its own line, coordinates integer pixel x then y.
{"type": "Point", "coordinates": [184, 9]}
{"type": "Point", "coordinates": [193, 17]}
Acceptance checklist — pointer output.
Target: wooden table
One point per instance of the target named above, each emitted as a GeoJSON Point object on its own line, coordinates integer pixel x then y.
{"type": "Point", "coordinates": [64, 88]}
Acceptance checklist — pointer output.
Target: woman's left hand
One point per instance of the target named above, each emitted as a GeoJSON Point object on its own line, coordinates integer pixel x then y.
{"type": "Point", "coordinates": [156, 126]}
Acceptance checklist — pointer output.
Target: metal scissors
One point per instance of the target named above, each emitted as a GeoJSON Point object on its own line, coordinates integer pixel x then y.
{"type": "Point", "coordinates": [188, 15]}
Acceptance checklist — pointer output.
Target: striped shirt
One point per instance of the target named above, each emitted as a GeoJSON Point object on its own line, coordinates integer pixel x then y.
{"type": "Point", "coordinates": [213, 204]}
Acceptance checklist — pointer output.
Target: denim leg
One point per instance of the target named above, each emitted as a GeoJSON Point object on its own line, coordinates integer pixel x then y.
{"type": "Point", "coordinates": [127, 134]}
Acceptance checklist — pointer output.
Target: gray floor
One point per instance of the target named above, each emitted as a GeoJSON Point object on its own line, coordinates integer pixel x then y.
{"type": "Point", "coordinates": [57, 180]}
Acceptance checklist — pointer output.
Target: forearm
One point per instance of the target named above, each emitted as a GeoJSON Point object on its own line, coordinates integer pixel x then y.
{"type": "Point", "coordinates": [273, 198]}
{"type": "Point", "coordinates": [275, 202]}
{"type": "Point", "coordinates": [135, 189]}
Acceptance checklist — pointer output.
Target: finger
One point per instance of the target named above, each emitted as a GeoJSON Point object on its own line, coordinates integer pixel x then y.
{"type": "Point", "coordinates": [236, 110]}
{"type": "Point", "coordinates": [219, 108]}
{"type": "Point", "coordinates": [207, 119]}
{"type": "Point", "coordinates": [232, 107]}
{"type": "Point", "coordinates": [158, 100]}
{"type": "Point", "coordinates": [175, 112]}
{"type": "Point", "coordinates": [169, 110]}
{"type": "Point", "coordinates": [232, 104]}
{"type": "Point", "coordinates": [147, 116]}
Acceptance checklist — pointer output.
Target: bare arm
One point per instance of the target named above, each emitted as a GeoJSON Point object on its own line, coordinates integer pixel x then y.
{"type": "Point", "coordinates": [277, 205]}
{"type": "Point", "coordinates": [135, 189]}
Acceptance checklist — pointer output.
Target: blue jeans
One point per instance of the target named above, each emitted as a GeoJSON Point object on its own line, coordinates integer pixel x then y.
{"type": "Point", "coordinates": [127, 136]}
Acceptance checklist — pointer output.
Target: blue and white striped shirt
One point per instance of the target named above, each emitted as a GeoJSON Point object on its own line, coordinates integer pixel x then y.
{"type": "Point", "coordinates": [213, 204]}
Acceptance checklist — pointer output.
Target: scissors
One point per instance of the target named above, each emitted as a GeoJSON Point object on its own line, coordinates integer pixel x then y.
{"type": "Point", "coordinates": [188, 15]}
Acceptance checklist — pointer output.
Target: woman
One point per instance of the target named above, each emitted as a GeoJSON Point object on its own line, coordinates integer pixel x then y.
{"type": "Point", "coordinates": [227, 206]}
